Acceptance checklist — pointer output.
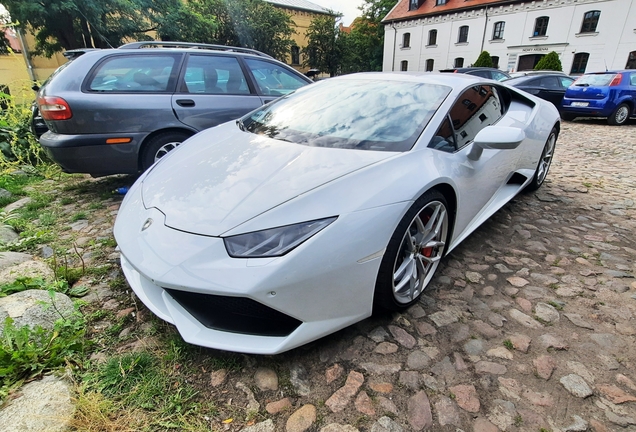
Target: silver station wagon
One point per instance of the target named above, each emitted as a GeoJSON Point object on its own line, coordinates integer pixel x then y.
{"type": "Point", "coordinates": [117, 111]}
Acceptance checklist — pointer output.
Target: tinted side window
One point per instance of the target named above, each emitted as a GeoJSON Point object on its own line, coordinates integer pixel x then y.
{"type": "Point", "coordinates": [476, 108]}
{"type": "Point", "coordinates": [139, 73]}
{"type": "Point", "coordinates": [444, 139]}
{"type": "Point", "coordinates": [480, 73]}
{"type": "Point", "coordinates": [550, 83]}
{"type": "Point", "coordinates": [214, 75]}
{"type": "Point", "coordinates": [498, 76]}
{"type": "Point", "coordinates": [272, 79]}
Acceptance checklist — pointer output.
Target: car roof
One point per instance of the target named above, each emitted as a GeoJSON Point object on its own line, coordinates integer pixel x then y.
{"type": "Point", "coordinates": [524, 78]}
{"type": "Point", "coordinates": [452, 80]}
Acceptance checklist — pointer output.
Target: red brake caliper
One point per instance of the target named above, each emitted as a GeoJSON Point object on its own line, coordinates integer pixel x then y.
{"type": "Point", "coordinates": [427, 251]}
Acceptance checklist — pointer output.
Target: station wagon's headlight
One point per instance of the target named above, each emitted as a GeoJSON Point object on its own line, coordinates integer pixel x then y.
{"type": "Point", "coordinates": [273, 242]}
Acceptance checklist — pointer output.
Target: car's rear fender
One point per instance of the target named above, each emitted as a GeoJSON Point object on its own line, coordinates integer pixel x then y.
{"type": "Point", "coordinates": [151, 135]}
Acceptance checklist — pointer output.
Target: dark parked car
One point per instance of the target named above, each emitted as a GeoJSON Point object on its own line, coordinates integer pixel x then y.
{"type": "Point", "coordinates": [550, 87]}
{"type": "Point", "coordinates": [602, 94]}
{"type": "Point", "coordinates": [484, 72]}
{"type": "Point", "coordinates": [117, 111]}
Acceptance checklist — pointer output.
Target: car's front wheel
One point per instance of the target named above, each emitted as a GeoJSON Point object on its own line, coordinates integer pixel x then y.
{"type": "Point", "coordinates": [413, 253]}
{"type": "Point", "coordinates": [159, 146]}
{"type": "Point", "coordinates": [544, 163]}
{"type": "Point", "coordinates": [620, 115]}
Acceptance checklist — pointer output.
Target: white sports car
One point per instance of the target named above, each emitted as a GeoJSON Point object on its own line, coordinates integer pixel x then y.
{"type": "Point", "coordinates": [308, 214]}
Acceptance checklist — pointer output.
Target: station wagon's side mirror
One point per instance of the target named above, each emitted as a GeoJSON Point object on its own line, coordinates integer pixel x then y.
{"type": "Point", "coordinates": [496, 137]}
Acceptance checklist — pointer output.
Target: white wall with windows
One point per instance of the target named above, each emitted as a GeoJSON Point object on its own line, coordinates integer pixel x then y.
{"type": "Point", "coordinates": [588, 35]}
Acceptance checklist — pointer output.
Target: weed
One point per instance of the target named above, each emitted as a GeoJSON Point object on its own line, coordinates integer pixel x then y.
{"type": "Point", "coordinates": [554, 286]}
{"type": "Point", "coordinates": [27, 352]}
{"type": "Point", "coordinates": [95, 205]}
{"type": "Point", "coordinates": [556, 262]}
{"type": "Point", "coordinates": [587, 184]}
{"type": "Point", "coordinates": [27, 283]}
{"type": "Point", "coordinates": [518, 421]}
{"type": "Point", "coordinates": [79, 216]}
{"type": "Point", "coordinates": [66, 200]}
{"type": "Point", "coordinates": [452, 395]}
{"type": "Point", "coordinates": [508, 344]}
{"type": "Point", "coordinates": [555, 305]}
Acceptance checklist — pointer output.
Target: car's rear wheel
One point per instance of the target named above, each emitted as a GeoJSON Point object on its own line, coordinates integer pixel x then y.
{"type": "Point", "coordinates": [620, 115]}
{"type": "Point", "coordinates": [159, 146]}
{"type": "Point", "coordinates": [544, 162]}
{"type": "Point", "coordinates": [413, 253]}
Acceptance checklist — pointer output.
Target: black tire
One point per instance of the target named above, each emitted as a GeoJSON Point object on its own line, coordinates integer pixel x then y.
{"type": "Point", "coordinates": [620, 116]}
{"type": "Point", "coordinates": [568, 116]}
{"type": "Point", "coordinates": [543, 166]}
{"type": "Point", "coordinates": [159, 145]}
{"type": "Point", "coordinates": [409, 254]}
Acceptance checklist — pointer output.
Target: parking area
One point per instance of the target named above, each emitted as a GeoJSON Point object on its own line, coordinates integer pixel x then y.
{"type": "Point", "coordinates": [529, 326]}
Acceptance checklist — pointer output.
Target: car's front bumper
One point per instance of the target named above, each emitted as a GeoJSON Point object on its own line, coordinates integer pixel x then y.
{"type": "Point", "coordinates": [326, 284]}
{"type": "Point", "coordinates": [91, 154]}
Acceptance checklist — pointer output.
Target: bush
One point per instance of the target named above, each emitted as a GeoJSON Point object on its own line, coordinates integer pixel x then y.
{"type": "Point", "coordinates": [484, 60]}
{"type": "Point", "coordinates": [18, 145]}
{"type": "Point", "coordinates": [550, 62]}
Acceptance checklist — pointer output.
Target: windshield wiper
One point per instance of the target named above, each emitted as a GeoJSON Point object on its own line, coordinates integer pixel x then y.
{"type": "Point", "coordinates": [240, 124]}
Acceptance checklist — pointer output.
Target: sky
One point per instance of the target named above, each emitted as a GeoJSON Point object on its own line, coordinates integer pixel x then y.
{"type": "Point", "coordinates": [347, 7]}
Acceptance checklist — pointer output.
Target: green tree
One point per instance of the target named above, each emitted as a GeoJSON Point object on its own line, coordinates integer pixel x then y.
{"type": "Point", "coordinates": [484, 60]}
{"type": "Point", "coordinates": [324, 45]}
{"type": "Point", "coordinates": [70, 24]}
{"type": "Point", "coordinates": [549, 62]}
{"type": "Point", "coordinates": [363, 48]}
{"type": "Point", "coordinates": [252, 24]}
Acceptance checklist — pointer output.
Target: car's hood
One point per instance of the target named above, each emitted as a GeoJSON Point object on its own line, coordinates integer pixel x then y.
{"type": "Point", "coordinates": [223, 177]}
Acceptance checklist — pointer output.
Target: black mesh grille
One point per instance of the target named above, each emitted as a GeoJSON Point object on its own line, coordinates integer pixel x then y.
{"type": "Point", "coordinates": [235, 314]}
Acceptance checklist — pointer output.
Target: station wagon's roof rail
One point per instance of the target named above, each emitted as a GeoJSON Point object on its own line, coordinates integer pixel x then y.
{"type": "Point", "coordinates": [163, 44]}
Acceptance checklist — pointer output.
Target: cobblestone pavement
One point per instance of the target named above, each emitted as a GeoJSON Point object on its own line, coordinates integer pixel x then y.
{"type": "Point", "coordinates": [528, 327]}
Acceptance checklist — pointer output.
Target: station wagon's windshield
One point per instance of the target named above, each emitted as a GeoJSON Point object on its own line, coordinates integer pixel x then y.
{"type": "Point", "coordinates": [368, 114]}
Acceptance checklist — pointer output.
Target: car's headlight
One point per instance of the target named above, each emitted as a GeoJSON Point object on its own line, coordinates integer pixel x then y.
{"type": "Point", "coordinates": [273, 242]}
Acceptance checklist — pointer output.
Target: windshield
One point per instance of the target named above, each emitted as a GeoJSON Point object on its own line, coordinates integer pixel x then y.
{"type": "Point", "coordinates": [367, 114]}
{"type": "Point", "coordinates": [595, 80]}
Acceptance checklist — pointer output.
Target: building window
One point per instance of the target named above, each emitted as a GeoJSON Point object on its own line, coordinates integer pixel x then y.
{"type": "Point", "coordinates": [459, 62]}
{"type": "Point", "coordinates": [541, 26]}
{"type": "Point", "coordinates": [414, 4]}
{"type": "Point", "coordinates": [432, 37]}
{"type": "Point", "coordinates": [498, 30]}
{"type": "Point", "coordinates": [295, 55]}
{"type": "Point", "coordinates": [406, 40]}
{"type": "Point", "coordinates": [429, 65]}
{"type": "Point", "coordinates": [440, 2]}
{"type": "Point", "coordinates": [495, 62]}
{"type": "Point", "coordinates": [631, 61]}
{"type": "Point", "coordinates": [580, 62]}
{"type": "Point", "coordinates": [463, 34]}
{"type": "Point", "coordinates": [404, 66]}
{"type": "Point", "coordinates": [590, 21]}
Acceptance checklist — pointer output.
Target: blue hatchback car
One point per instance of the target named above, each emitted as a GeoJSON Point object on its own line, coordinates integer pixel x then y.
{"type": "Point", "coordinates": [602, 94]}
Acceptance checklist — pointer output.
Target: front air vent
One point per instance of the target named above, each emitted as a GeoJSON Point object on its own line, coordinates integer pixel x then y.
{"type": "Point", "coordinates": [235, 314]}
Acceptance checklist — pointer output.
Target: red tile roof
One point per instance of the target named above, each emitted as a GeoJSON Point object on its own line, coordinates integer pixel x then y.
{"type": "Point", "coordinates": [401, 11]}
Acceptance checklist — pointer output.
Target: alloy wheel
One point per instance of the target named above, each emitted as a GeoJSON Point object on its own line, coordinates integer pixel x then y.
{"type": "Point", "coordinates": [165, 149]}
{"type": "Point", "coordinates": [420, 252]}
{"type": "Point", "coordinates": [546, 158]}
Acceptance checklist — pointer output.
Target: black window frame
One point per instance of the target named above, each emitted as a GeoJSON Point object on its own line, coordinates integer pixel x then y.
{"type": "Point", "coordinates": [440, 2]}
{"type": "Point", "coordinates": [498, 30]}
{"type": "Point", "coordinates": [495, 61]}
{"type": "Point", "coordinates": [430, 62]}
{"type": "Point", "coordinates": [579, 63]}
{"type": "Point", "coordinates": [414, 4]}
{"type": "Point", "coordinates": [432, 37]}
{"type": "Point", "coordinates": [404, 66]}
{"type": "Point", "coordinates": [631, 60]}
{"type": "Point", "coordinates": [295, 55]}
{"type": "Point", "coordinates": [462, 35]}
{"type": "Point", "coordinates": [541, 26]}
{"type": "Point", "coordinates": [406, 40]}
{"type": "Point", "coordinates": [458, 62]}
{"type": "Point", "coordinates": [590, 21]}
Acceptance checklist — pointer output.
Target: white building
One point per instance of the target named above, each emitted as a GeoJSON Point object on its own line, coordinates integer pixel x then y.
{"type": "Point", "coordinates": [588, 35]}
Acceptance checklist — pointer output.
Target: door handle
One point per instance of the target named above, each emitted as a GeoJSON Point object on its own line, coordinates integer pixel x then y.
{"type": "Point", "coordinates": [186, 103]}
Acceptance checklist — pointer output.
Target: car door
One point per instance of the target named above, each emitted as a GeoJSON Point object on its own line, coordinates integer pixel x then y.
{"type": "Point", "coordinates": [273, 80]}
{"type": "Point", "coordinates": [213, 90]}
{"type": "Point", "coordinates": [479, 180]}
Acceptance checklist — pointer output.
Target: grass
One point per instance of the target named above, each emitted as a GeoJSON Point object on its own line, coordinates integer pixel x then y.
{"type": "Point", "coordinates": [26, 353]}
{"type": "Point", "coordinates": [508, 344]}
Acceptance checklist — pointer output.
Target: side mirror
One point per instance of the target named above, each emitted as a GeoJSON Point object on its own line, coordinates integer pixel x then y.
{"type": "Point", "coordinates": [497, 138]}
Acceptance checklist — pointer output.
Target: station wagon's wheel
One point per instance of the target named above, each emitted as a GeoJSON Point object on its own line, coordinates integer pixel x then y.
{"type": "Point", "coordinates": [159, 146]}
{"type": "Point", "coordinates": [620, 115]}
{"type": "Point", "coordinates": [544, 162]}
{"type": "Point", "coordinates": [413, 253]}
